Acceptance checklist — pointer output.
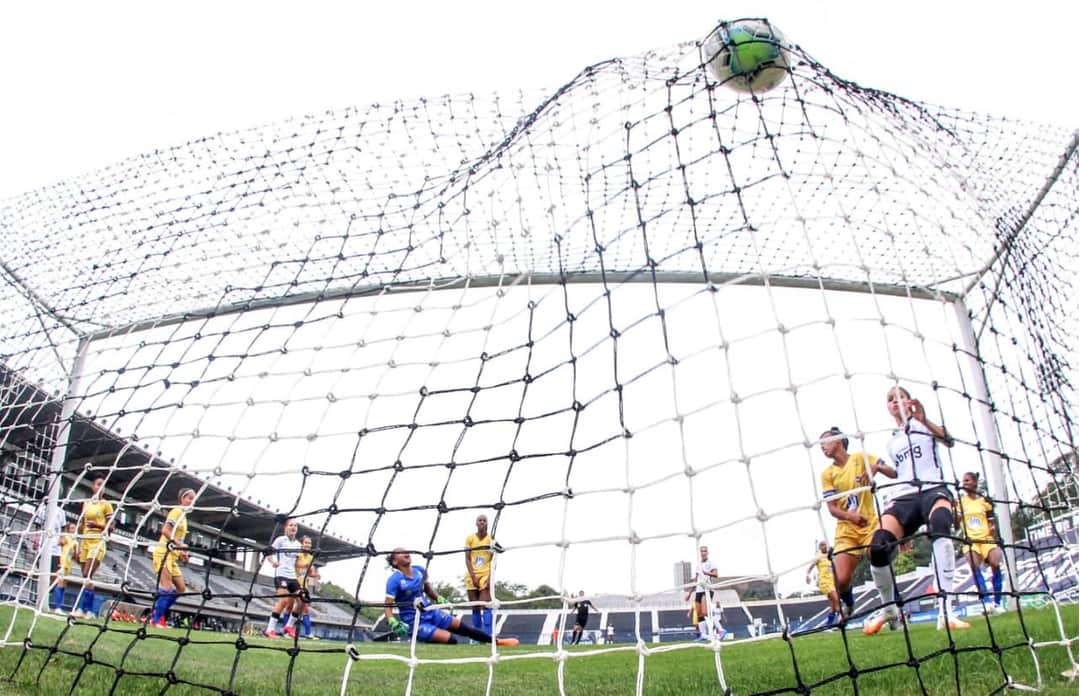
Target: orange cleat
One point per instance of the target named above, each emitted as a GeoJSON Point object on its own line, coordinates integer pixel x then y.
{"type": "Point", "coordinates": [876, 622]}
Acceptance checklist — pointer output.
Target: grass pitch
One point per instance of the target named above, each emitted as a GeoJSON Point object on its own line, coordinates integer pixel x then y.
{"type": "Point", "coordinates": [95, 658]}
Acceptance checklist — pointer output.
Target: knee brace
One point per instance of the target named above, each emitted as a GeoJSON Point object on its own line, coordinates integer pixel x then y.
{"type": "Point", "coordinates": [940, 523]}
{"type": "Point", "coordinates": [882, 548]}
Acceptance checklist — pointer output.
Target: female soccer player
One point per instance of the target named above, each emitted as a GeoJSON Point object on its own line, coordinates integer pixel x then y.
{"type": "Point", "coordinates": [170, 552]}
{"type": "Point", "coordinates": [282, 557]}
{"type": "Point", "coordinates": [702, 592]}
{"type": "Point", "coordinates": [846, 486]}
{"type": "Point", "coordinates": [68, 545]}
{"type": "Point", "coordinates": [825, 583]}
{"type": "Point", "coordinates": [975, 517]}
{"type": "Point", "coordinates": [305, 570]}
{"type": "Point", "coordinates": [479, 550]}
{"type": "Point", "coordinates": [581, 621]}
{"type": "Point", "coordinates": [923, 498]}
{"type": "Point", "coordinates": [409, 583]}
{"type": "Point", "coordinates": [94, 524]}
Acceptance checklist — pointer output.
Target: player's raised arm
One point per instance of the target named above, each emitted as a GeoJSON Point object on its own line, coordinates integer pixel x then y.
{"type": "Point", "coordinates": [916, 411]}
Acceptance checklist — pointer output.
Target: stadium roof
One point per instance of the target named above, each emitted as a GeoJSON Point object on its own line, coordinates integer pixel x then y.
{"type": "Point", "coordinates": [140, 474]}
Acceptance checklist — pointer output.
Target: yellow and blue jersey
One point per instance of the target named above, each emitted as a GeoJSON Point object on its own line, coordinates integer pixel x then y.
{"type": "Point", "coordinates": [824, 567]}
{"type": "Point", "coordinates": [975, 513]}
{"type": "Point", "coordinates": [481, 552]}
{"type": "Point", "coordinates": [837, 480]}
{"type": "Point", "coordinates": [179, 528]}
{"type": "Point", "coordinates": [303, 565]}
{"type": "Point", "coordinates": [97, 512]}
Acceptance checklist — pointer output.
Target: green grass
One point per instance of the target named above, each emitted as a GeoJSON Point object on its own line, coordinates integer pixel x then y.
{"type": "Point", "coordinates": [318, 668]}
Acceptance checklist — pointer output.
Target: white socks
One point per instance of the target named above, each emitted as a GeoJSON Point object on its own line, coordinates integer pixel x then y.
{"type": "Point", "coordinates": [944, 565]}
{"type": "Point", "coordinates": [883, 579]}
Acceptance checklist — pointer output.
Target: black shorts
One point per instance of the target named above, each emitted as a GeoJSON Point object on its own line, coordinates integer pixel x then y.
{"type": "Point", "coordinates": [913, 510]}
{"type": "Point", "coordinates": [581, 620]}
{"type": "Point", "coordinates": [699, 597]}
{"type": "Point", "coordinates": [288, 584]}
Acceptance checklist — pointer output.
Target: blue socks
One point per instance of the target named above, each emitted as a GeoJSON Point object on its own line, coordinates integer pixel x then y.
{"type": "Point", "coordinates": [307, 624]}
{"type": "Point", "coordinates": [980, 582]}
{"type": "Point", "coordinates": [477, 621]}
{"type": "Point", "coordinates": [487, 622]}
{"type": "Point", "coordinates": [164, 602]}
{"type": "Point", "coordinates": [86, 602]}
{"type": "Point", "coordinates": [58, 597]}
{"type": "Point", "coordinates": [997, 580]}
{"type": "Point", "coordinates": [159, 608]}
{"type": "Point", "coordinates": [161, 605]}
{"type": "Point", "coordinates": [171, 600]}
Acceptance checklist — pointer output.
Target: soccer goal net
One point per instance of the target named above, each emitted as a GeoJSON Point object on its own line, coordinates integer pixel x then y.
{"type": "Point", "coordinates": [614, 318]}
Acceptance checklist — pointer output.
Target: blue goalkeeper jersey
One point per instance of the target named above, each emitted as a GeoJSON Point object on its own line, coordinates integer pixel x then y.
{"type": "Point", "coordinates": [406, 590]}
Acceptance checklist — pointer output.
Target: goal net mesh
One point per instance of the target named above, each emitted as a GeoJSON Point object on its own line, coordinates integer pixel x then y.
{"type": "Point", "coordinates": [614, 317]}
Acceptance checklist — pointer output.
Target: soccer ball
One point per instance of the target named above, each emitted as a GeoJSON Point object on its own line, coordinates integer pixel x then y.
{"type": "Point", "coordinates": [748, 55]}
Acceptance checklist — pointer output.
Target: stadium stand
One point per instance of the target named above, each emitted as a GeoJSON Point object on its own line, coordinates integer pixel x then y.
{"type": "Point", "coordinates": [227, 531]}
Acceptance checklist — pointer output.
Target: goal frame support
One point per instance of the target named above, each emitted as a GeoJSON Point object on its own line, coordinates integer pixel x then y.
{"type": "Point", "coordinates": [989, 442]}
{"type": "Point", "coordinates": [56, 473]}
{"type": "Point", "coordinates": [509, 280]}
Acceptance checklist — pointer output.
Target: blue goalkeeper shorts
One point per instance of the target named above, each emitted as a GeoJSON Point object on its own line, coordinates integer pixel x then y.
{"type": "Point", "coordinates": [431, 621]}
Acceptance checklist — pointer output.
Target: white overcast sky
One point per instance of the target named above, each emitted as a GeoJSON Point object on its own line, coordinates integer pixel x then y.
{"type": "Point", "coordinates": [87, 84]}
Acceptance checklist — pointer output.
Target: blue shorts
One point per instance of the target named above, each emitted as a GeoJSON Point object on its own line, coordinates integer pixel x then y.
{"type": "Point", "coordinates": [431, 621]}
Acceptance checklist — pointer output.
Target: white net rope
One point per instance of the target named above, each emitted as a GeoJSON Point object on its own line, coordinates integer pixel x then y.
{"type": "Point", "coordinates": [614, 317]}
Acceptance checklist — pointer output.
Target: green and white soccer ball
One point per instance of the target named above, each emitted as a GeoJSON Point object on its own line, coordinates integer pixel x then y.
{"type": "Point", "coordinates": [747, 55]}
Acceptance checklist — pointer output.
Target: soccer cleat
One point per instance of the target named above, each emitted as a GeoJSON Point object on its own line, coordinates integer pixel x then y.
{"type": "Point", "coordinates": [998, 609]}
{"type": "Point", "coordinates": [160, 623]}
{"type": "Point", "coordinates": [312, 637]}
{"type": "Point", "coordinates": [271, 633]}
{"type": "Point", "coordinates": [507, 642]}
{"type": "Point", "coordinates": [955, 623]}
{"type": "Point", "coordinates": [290, 631]}
{"type": "Point", "coordinates": [876, 622]}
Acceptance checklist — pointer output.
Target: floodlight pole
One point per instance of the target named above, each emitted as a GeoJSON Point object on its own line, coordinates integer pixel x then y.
{"type": "Point", "coordinates": [56, 474]}
{"type": "Point", "coordinates": [988, 436]}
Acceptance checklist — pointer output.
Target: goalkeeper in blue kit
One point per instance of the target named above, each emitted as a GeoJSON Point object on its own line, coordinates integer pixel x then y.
{"type": "Point", "coordinates": [408, 584]}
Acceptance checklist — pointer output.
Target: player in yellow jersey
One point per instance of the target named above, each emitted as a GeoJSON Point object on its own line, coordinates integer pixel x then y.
{"type": "Point", "coordinates": [846, 486]}
{"type": "Point", "coordinates": [94, 524]}
{"type": "Point", "coordinates": [479, 551]}
{"type": "Point", "coordinates": [170, 552]}
{"type": "Point", "coordinates": [975, 518]}
{"type": "Point", "coordinates": [825, 583]}
{"type": "Point", "coordinates": [68, 544]}
{"type": "Point", "coordinates": [305, 570]}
